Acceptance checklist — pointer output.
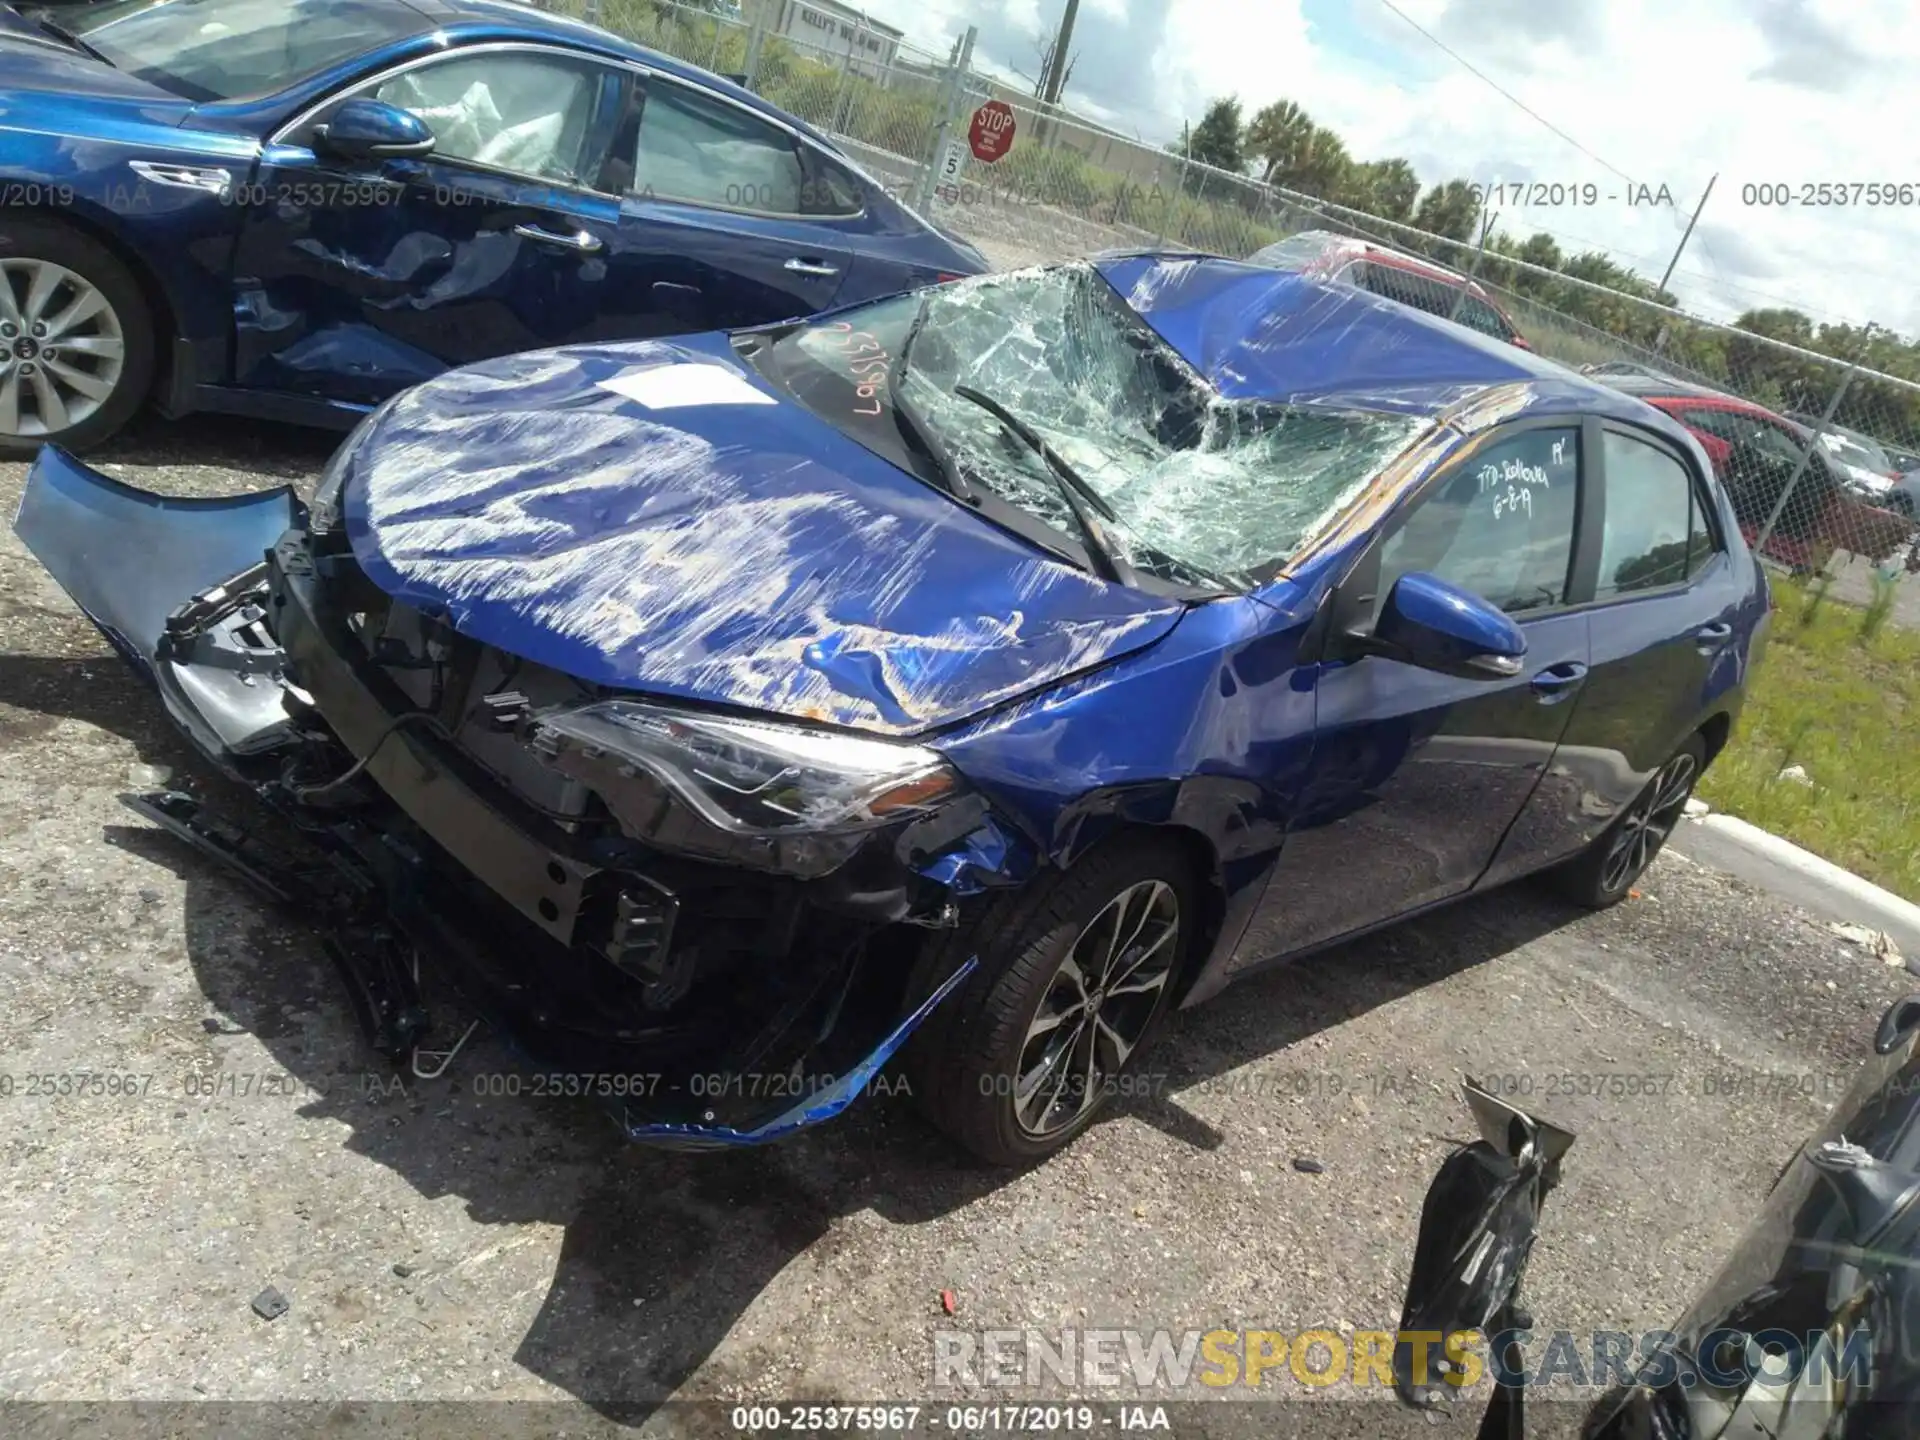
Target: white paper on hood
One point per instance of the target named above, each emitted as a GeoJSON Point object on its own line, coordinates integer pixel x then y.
{"type": "Point", "coordinates": [671, 387]}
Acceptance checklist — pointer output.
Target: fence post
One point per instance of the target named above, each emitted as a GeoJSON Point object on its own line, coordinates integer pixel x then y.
{"type": "Point", "coordinates": [1170, 210]}
{"type": "Point", "coordinates": [949, 101]}
{"type": "Point", "coordinates": [591, 12]}
{"type": "Point", "coordinates": [756, 44]}
{"type": "Point", "coordinates": [1166, 205]}
{"type": "Point", "coordinates": [846, 68]}
{"type": "Point", "coordinates": [1473, 269]}
{"type": "Point", "coordinates": [1826, 419]}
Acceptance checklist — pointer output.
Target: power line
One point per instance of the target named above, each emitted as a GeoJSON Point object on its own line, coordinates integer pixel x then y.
{"type": "Point", "coordinates": [1510, 96]}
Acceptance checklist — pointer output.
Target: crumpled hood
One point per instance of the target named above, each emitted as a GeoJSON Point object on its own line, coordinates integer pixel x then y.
{"type": "Point", "coordinates": [732, 548]}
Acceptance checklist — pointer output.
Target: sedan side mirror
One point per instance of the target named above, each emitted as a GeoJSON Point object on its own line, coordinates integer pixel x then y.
{"type": "Point", "coordinates": [1438, 626]}
{"type": "Point", "coordinates": [363, 130]}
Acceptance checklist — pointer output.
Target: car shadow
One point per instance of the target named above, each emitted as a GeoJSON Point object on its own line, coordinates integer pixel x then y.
{"type": "Point", "coordinates": [662, 1252]}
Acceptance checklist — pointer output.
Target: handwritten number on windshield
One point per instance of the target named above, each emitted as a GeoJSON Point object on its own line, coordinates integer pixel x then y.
{"type": "Point", "coordinates": [867, 363]}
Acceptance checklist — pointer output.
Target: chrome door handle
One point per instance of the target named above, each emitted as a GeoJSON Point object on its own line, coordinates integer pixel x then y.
{"type": "Point", "coordinates": [811, 267]}
{"type": "Point", "coordinates": [581, 240]}
{"type": "Point", "coordinates": [1716, 634]}
{"type": "Point", "coordinates": [1557, 682]}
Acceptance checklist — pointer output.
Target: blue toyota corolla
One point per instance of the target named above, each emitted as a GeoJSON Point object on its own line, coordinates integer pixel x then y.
{"type": "Point", "coordinates": [984, 670]}
{"type": "Point", "coordinates": [296, 208]}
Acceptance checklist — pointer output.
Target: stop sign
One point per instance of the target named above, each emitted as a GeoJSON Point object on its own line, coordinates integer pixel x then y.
{"type": "Point", "coordinates": [992, 132]}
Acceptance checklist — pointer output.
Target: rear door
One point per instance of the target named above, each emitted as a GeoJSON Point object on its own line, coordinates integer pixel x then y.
{"type": "Point", "coordinates": [352, 283]}
{"type": "Point", "coordinates": [1416, 777]}
{"type": "Point", "coordinates": [1666, 602]}
{"type": "Point", "coordinates": [735, 219]}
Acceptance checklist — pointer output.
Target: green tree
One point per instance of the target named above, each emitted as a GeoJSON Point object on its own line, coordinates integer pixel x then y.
{"type": "Point", "coordinates": [1387, 188]}
{"type": "Point", "coordinates": [1215, 140]}
{"type": "Point", "coordinates": [1277, 136]}
{"type": "Point", "coordinates": [1322, 167]}
{"type": "Point", "coordinates": [1450, 210]}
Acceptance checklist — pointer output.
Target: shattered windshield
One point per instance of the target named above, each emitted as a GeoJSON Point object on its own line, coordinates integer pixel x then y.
{"type": "Point", "coordinates": [1201, 491]}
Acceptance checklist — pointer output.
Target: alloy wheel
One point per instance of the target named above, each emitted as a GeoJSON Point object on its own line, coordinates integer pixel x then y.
{"type": "Point", "coordinates": [62, 349]}
{"type": "Point", "coordinates": [1096, 1008]}
{"type": "Point", "coordinates": [1646, 826]}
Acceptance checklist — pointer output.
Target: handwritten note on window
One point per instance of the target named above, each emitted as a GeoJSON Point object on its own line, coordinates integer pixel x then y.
{"type": "Point", "coordinates": [1512, 482]}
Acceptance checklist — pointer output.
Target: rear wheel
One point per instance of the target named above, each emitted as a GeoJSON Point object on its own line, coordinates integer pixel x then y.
{"type": "Point", "coordinates": [76, 339]}
{"type": "Point", "coordinates": [1608, 869]}
{"type": "Point", "coordinates": [1076, 975]}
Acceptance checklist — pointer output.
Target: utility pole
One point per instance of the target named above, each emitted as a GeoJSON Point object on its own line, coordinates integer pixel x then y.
{"type": "Point", "coordinates": [1056, 76]}
{"type": "Point", "coordinates": [1687, 236]}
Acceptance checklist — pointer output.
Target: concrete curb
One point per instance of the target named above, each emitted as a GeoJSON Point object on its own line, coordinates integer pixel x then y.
{"type": "Point", "coordinates": [1871, 905]}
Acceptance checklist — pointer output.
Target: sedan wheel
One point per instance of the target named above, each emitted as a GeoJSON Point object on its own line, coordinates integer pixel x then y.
{"type": "Point", "coordinates": [1649, 821]}
{"type": "Point", "coordinates": [76, 341]}
{"type": "Point", "coordinates": [1609, 868]}
{"type": "Point", "coordinates": [1076, 973]}
{"type": "Point", "coordinates": [1096, 1009]}
{"type": "Point", "coordinates": [61, 348]}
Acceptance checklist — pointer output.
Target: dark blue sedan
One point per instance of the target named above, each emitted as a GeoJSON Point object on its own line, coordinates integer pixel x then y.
{"type": "Point", "coordinates": [296, 208]}
{"type": "Point", "coordinates": [993, 668]}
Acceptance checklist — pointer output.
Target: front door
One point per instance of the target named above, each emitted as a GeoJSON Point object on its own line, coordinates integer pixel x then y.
{"type": "Point", "coordinates": [351, 284]}
{"type": "Point", "coordinates": [1416, 777]}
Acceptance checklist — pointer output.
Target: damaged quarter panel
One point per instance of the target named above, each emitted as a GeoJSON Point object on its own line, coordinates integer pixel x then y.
{"type": "Point", "coordinates": [733, 550]}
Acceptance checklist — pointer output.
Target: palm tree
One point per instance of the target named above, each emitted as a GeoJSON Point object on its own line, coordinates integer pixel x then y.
{"type": "Point", "coordinates": [1277, 135]}
{"type": "Point", "coordinates": [1387, 188]}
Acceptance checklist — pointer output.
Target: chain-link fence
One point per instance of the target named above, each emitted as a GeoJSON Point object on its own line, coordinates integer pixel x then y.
{"type": "Point", "coordinates": [1821, 456]}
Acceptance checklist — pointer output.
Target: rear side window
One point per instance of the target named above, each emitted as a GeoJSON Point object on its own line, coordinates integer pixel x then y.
{"type": "Point", "coordinates": [1500, 526]}
{"type": "Point", "coordinates": [703, 151]}
{"type": "Point", "coordinates": [1655, 533]}
{"type": "Point", "coordinates": [1715, 423]}
{"type": "Point", "coordinates": [1408, 288]}
{"type": "Point", "coordinates": [1482, 317]}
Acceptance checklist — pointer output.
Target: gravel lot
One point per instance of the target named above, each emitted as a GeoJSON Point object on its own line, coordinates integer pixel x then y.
{"type": "Point", "coordinates": [544, 1259]}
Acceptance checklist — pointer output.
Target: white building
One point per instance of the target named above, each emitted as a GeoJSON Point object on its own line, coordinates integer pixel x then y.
{"type": "Point", "coordinates": [832, 32]}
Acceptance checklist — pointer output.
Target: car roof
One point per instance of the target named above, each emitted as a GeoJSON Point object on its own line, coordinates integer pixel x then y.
{"type": "Point", "coordinates": [1257, 333]}
{"type": "Point", "coordinates": [1669, 387]}
{"type": "Point", "coordinates": [1333, 243]}
{"type": "Point", "coordinates": [510, 19]}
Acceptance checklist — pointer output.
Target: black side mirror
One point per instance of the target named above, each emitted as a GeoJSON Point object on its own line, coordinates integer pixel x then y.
{"type": "Point", "coordinates": [1477, 1228]}
{"type": "Point", "coordinates": [364, 130]}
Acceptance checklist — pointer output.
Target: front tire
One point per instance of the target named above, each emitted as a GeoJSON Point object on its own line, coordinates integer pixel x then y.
{"type": "Point", "coordinates": [76, 339]}
{"type": "Point", "coordinates": [1077, 973]}
{"type": "Point", "coordinates": [1604, 873]}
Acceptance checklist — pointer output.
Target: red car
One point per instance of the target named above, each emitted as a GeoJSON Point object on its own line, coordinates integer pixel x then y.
{"type": "Point", "coordinates": [1755, 453]}
{"type": "Point", "coordinates": [1394, 275]}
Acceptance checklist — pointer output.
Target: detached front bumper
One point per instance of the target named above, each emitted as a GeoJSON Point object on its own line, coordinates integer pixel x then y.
{"type": "Point", "coordinates": [558, 936]}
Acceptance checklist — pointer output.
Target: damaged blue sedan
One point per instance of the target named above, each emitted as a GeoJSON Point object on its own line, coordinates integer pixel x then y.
{"type": "Point", "coordinates": [977, 674]}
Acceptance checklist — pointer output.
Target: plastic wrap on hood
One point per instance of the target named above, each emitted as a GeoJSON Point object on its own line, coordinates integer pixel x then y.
{"type": "Point", "coordinates": [730, 550]}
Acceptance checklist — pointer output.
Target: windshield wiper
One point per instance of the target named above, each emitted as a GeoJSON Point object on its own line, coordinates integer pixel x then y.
{"type": "Point", "coordinates": [66, 36]}
{"type": "Point", "coordinates": [912, 423]}
{"type": "Point", "coordinates": [1082, 499]}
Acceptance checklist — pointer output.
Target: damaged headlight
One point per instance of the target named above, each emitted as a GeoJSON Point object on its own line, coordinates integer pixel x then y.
{"type": "Point", "coordinates": [781, 796]}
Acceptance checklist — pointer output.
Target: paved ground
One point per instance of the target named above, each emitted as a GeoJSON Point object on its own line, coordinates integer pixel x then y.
{"type": "Point", "coordinates": [547, 1261]}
